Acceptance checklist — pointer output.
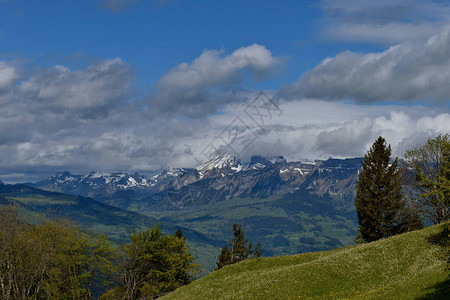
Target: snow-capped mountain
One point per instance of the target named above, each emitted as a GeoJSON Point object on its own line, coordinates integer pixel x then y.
{"type": "Point", "coordinates": [222, 177]}
{"type": "Point", "coordinates": [226, 178]}
{"type": "Point", "coordinates": [224, 164]}
{"type": "Point", "coordinates": [95, 183]}
{"type": "Point", "coordinates": [98, 183]}
{"type": "Point", "coordinates": [221, 165]}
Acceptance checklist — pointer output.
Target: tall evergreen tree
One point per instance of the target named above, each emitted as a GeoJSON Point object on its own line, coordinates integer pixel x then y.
{"type": "Point", "coordinates": [239, 248]}
{"type": "Point", "coordinates": [380, 203]}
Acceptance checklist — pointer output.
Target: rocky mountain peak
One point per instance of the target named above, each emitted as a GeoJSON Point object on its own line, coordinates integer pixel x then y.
{"type": "Point", "coordinates": [170, 172]}
{"type": "Point", "coordinates": [221, 165]}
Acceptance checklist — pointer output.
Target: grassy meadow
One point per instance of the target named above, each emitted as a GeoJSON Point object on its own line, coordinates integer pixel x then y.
{"type": "Point", "coordinates": [407, 266]}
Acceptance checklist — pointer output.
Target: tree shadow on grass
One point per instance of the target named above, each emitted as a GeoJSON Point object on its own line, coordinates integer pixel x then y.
{"type": "Point", "coordinates": [442, 238]}
{"type": "Point", "coordinates": [438, 291]}
{"type": "Point", "coordinates": [441, 290]}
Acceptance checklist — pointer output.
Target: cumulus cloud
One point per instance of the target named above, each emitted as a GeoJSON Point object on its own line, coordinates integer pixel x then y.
{"type": "Point", "coordinates": [383, 21]}
{"type": "Point", "coordinates": [91, 90]}
{"type": "Point", "coordinates": [8, 75]}
{"type": "Point", "coordinates": [193, 88]}
{"type": "Point", "coordinates": [55, 118]}
{"type": "Point", "coordinates": [42, 143]}
{"type": "Point", "coordinates": [405, 72]}
{"type": "Point", "coordinates": [211, 69]}
{"type": "Point", "coordinates": [49, 117]}
{"type": "Point", "coordinates": [314, 129]}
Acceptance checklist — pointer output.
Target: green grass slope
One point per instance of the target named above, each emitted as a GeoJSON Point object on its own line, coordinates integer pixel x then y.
{"type": "Point", "coordinates": [406, 266]}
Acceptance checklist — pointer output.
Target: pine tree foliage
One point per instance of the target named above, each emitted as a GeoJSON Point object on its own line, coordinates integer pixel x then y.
{"type": "Point", "coordinates": [237, 249]}
{"type": "Point", "coordinates": [179, 234]}
{"type": "Point", "coordinates": [380, 203]}
{"type": "Point", "coordinates": [224, 257]}
{"type": "Point", "coordinates": [258, 250]}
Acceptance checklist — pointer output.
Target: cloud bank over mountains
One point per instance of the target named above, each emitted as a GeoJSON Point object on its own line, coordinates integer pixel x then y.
{"type": "Point", "coordinates": [54, 118]}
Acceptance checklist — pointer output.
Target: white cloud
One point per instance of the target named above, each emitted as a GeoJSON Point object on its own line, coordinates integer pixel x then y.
{"type": "Point", "coordinates": [93, 89]}
{"type": "Point", "coordinates": [211, 68]}
{"type": "Point", "coordinates": [407, 72]}
{"type": "Point", "coordinates": [383, 21]}
{"type": "Point", "coordinates": [312, 129]}
{"type": "Point", "coordinates": [125, 139]}
{"type": "Point", "coordinates": [390, 33]}
{"type": "Point", "coordinates": [80, 120]}
{"type": "Point", "coordinates": [8, 75]}
{"type": "Point", "coordinates": [193, 88]}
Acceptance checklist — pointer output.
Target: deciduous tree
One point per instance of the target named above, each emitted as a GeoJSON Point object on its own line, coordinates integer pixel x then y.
{"type": "Point", "coordinates": [156, 263]}
{"type": "Point", "coordinates": [52, 260]}
{"type": "Point", "coordinates": [431, 163]}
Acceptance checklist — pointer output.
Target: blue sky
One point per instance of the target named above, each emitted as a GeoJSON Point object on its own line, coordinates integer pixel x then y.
{"type": "Point", "coordinates": [141, 85]}
{"type": "Point", "coordinates": [154, 36]}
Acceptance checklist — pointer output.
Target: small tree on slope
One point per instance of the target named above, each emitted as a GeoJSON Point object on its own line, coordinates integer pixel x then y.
{"type": "Point", "coordinates": [379, 202]}
{"type": "Point", "coordinates": [238, 249]}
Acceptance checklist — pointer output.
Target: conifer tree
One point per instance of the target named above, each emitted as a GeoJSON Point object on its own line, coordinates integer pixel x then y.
{"type": "Point", "coordinates": [237, 249]}
{"type": "Point", "coordinates": [224, 258]}
{"type": "Point", "coordinates": [380, 203]}
{"type": "Point", "coordinates": [179, 234]}
{"type": "Point", "coordinates": [258, 250]}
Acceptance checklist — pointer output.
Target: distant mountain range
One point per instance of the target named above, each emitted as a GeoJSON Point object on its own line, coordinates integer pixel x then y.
{"type": "Point", "coordinates": [223, 177]}
{"type": "Point", "coordinates": [291, 207]}
{"type": "Point", "coordinates": [103, 185]}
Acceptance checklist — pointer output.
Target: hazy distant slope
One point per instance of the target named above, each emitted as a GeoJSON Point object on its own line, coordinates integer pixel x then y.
{"type": "Point", "coordinates": [88, 213]}
{"type": "Point", "coordinates": [401, 267]}
{"type": "Point", "coordinates": [115, 222]}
